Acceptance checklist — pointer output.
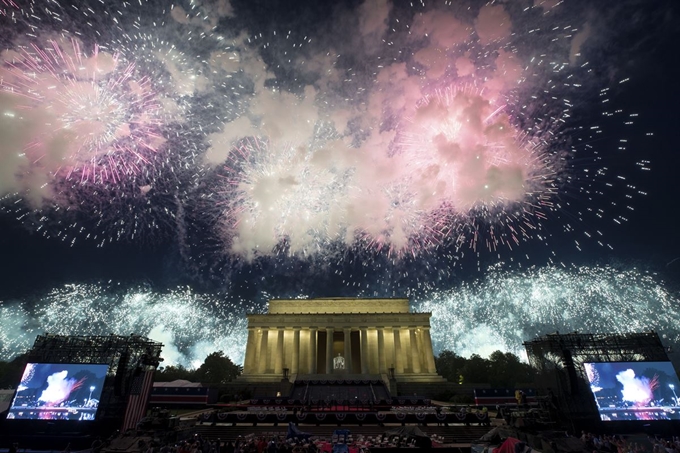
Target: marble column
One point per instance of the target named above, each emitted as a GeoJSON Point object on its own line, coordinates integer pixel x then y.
{"type": "Point", "coordinates": [364, 350]}
{"type": "Point", "coordinates": [381, 350]}
{"type": "Point", "coordinates": [312, 350]}
{"type": "Point", "coordinates": [295, 366]}
{"type": "Point", "coordinates": [398, 357]}
{"type": "Point", "coordinates": [421, 350]}
{"type": "Point", "coordinates": [278, 360]}
{"type": "Point", "coordinates": [415, 357]}
{"type": "Point", "coordinates": [329, 350]}
{"type": "Point", "coordinates": [248, 367]}
{"type": "Point", "coordinates": [428, 351]}
{"type": "Point", "coordinates": [262, 356]}
{"type": "Point", "coordinates": [258, 342]}
{"type": "Point", "coordinates": [348, 349]}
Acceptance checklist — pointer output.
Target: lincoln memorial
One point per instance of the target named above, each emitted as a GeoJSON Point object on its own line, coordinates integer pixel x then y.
{"type": "Point", "coordinates": [339, 337]}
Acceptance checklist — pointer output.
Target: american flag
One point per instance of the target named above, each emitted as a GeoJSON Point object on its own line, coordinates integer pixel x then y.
{"type": "Point", "coordinates": [138, 399]}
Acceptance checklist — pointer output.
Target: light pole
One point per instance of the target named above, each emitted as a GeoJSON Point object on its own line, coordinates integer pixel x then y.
{"type": "Point", "coordinates": [674, 394]}
{"type": "Point", "coordinates": [91, 390]}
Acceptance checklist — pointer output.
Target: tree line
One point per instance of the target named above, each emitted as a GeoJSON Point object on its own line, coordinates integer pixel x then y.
{"type": "Point", "coordinates": [216, 369]}
{"type": "Point", "coordinates": [501, 369]}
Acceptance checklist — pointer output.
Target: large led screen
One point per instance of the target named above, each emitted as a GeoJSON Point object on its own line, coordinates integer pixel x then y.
{"type": "Point", "coordinates": [635, 390]}
{"type": "Point", "coordinates": [58, 391]}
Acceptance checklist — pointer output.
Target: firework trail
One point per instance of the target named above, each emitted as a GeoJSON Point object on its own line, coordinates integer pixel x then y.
{"type": "Point", "coordinates": [5, 6]}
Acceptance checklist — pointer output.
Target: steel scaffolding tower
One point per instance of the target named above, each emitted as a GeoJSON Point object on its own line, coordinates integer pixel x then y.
{"type": "Point", "coordinates": [560, 358]}
{"type": "Point", "coordinates": [126, 356]}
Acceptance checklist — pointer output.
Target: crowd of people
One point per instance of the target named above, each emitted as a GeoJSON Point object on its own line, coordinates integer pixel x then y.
{"type": "Point", "coordinates": [595, 443]}
{"type": "Point", "coordinates": [666, 446]}
{"type": "Point", "coordinates": [269, 444]}
{"type": "Point", "coordinates": [607, 443]}
{"type": "Point", "coordinates": [247, 444]}
{"type": "Point", "coordinates": [196, 444]}
{"type": "Point", "coordinates": [621, 444]}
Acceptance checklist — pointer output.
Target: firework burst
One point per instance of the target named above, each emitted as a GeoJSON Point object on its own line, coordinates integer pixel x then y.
{"type": "Point", "coordinates": [477, 176]}
{"type": "Point", "coordinates": [190, 325]}
{"type": "Point", "coordinates": [288, 194]}
{"type": "Point", "coordinates": [96, 121]}
{"type": "Point", "coordinates": [504, 309]}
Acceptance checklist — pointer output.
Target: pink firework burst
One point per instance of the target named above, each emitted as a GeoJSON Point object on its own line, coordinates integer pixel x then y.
{"type": "Point", "coordinates": [473, 172]}
{"type": "Point", "coordinates": [86, 118]}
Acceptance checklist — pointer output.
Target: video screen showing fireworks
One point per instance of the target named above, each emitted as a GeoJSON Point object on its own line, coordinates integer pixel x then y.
{"type": "Point", "coordinates": [58, 391]}
{"type": "Point", "coordinates": [635, 390]}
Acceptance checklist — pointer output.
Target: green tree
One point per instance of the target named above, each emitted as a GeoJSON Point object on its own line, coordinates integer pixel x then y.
{"type": "Point", "coordinates": [172, 373]}
{"type": "Point", "coordinates": [218, 369]}
{"type": "Point", "coordinates": [450, 365]}
{"type": "Point", "coordinates": [476, 370]}
{"type": "Point", "coordinates": [507, 370]}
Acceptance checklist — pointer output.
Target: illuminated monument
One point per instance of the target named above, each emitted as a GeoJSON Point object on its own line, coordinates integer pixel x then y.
{"type": "Point", "coordinates": [340, 338]}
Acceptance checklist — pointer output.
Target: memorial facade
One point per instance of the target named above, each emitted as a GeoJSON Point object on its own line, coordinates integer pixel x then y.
{"type": "Point", "coordinates": [339, 336]}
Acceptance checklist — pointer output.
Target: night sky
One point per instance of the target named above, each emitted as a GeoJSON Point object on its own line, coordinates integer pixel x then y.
{"type": "Point", "coordinates": [297, 152]}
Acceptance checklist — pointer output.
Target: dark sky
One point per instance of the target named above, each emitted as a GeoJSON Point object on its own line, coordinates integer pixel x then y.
{"type": "Point", "coordinates": [644, 51]}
